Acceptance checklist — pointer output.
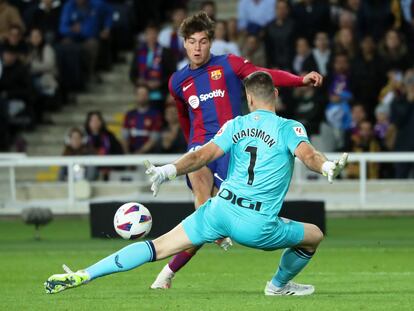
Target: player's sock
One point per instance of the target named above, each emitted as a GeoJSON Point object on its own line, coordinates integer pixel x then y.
{"type": "Point", "coordinates": [127, 258]}
{"type": "Point", "coordinates": [292, 262]}
{"type": "Point", "coordinates": [180, 260]}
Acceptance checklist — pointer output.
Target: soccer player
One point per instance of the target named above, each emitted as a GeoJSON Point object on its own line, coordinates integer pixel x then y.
{"type": "Point", "coordinates": [262, 148]}
{"type": "Point", "coordinates": [208, 93]}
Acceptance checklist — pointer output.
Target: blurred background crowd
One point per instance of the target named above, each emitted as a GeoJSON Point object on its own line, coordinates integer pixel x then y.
{"type": "Point", "coordinates": [53, 50]}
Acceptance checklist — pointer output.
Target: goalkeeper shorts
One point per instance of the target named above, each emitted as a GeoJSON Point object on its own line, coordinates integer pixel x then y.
{"type": "Point", "coordinates": [218, 218]}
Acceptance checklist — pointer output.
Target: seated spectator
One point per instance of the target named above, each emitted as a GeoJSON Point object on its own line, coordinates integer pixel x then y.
{"type": "Point", "coordinates": [358, 115]}
{"type": "Point", "coordinates": [394, 52]}
{"type": "Point", "coordinates": [9, 16]}
{"type": "Point", "coordinates": [42, 64]}
{"type": "Point", "coordinates": [338, 111]}
{"type": "Point", "coordinates": [15, 40]}
{"type": "Point", "coordinates": [100, 140]}
{"type": "Point", "coordinates": [220, 45]}
{"type": "Point", "coordinates": [169, 36]}
{"type": "Point", "coordinates": [46, 17]}
{"type": "Point", "coordinates": [367, 75]}
{"type": "Point", "coordinates": [344, 43]}
{"type": "Point", "coordinates": [172, 137]}
{"type": "Point", "coordinates": [86, 22]}
{"type": "Point", "coordinates": [364, 141]}
{"type": "Point", "coordinates": [384, 130]}
{"type": "Point", "coordinates": [75, 145]}
{"type": "Point", "coordinates": [279, 38]}
{"type": "Point", "coordinates": [142, 125]}
{"type": "Point", "coordinates": [152, 66]}
{"type": "Point", "coordinates": [303, 52]}
{"type": "Point", "coordinates": [392, 89]}
{"type": "Point", "coordinates": [308, 106]}
{"type": "Point", "coordinates": [402, 116]}
{"type": "Point", "coordinates": [254, 51]}
{"type": "Point", "coordinates": [233, 34]}
{"type": "Point", "coordinates": [254, 15]}
{"type": "Point", "coordinates": [321, 55]}
{"type": "Point", "coordinates": [15, 89]}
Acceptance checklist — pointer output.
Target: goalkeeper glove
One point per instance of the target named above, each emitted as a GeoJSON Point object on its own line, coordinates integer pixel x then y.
{"type": "Point", "coordinates": [333, 169]}
{"type": "Point", "coordinates": [159, 174]}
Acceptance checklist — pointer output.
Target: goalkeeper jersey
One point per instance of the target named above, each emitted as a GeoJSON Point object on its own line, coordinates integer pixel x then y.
{"type": "Point", "coordinates": [262, 147]}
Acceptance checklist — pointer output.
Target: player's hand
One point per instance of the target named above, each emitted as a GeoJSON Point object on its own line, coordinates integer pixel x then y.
{"type": "Point", "coordinates": [159, 174]}
{"type": "Point", "coordinates": [333, 169]}
{"type": "Point", "coordinates": [313, 79]}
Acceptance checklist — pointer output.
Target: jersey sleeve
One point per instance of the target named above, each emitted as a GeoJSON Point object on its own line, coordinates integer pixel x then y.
{"type": "Point", "coordinates": [294, 133]}
{"type": "Point", "coordinates": [182, 111]}
{"type": "Point", "coordinates": [223, 138]}
{"type": "Point", "coordinates": [242, 67]}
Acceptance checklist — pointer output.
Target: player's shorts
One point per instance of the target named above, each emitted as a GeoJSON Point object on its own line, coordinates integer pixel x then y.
{"type": "Point", "coordinates": [219, 218]}
{"type": "Point", "coordinates": [218, 167]}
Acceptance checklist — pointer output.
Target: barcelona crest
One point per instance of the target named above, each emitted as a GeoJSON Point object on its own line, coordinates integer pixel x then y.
{"type": "Point", "coordinates": [216, 74]}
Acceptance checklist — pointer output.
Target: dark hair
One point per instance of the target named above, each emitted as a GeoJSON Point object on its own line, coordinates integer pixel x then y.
{"type": "Point", "coordinates": [197, 23]}
{"type": "Point", "coordinates": [260, 85]}
{"type": "Point", "coordinates": [100, 117]}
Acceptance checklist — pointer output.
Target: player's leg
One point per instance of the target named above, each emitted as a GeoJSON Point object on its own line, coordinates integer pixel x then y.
{"type": "Point", "coordinates": [202, 185]}
{"type": "Point", "coordinates": [294, 259]}
{"type": "Point", "coordinates": [127, 258]}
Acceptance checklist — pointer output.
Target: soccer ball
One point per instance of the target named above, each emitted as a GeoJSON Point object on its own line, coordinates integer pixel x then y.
{"type": "Point", "coordinates": [132, 221]}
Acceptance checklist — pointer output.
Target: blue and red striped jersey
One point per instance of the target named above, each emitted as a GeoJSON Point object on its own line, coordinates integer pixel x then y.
{"type": "Point", "coordinates": [139, 127]}
{"type": "Point", "coordinates": [209, 96]}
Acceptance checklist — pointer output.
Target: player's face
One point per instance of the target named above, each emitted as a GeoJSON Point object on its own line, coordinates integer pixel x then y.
{"type": "Point", "coordinates": [198, 49]}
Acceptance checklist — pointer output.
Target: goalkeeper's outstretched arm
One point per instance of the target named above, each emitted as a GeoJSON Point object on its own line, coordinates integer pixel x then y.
{"type": "Point", "coordinates": [317, 162]}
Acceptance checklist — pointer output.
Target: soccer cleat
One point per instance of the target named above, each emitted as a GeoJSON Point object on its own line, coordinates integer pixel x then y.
{"type": "Point", "coordinates": [225, 243]}
{"type": "Point", "coordinates": [59, 282]}
{"type": "Point", "coordinates": [290, 289]}
{"type": "Point", "coordinates": [164, 279]}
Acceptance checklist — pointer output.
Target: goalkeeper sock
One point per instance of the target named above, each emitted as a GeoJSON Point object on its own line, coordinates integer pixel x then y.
{"type": "Point", "coordinates": [125, 259]}
{"type": "Point", "coordinates": [292, 262]}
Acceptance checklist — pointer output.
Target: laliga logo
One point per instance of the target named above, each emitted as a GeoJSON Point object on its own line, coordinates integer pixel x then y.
{"type": "Point", "coordinates": [194, 101]}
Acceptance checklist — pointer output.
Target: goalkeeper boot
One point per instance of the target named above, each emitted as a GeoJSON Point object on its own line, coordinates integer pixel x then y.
{"type": "Point", "coordinates": [164, 279]}
{"type": "Point", "coordinates": [59, 282]}
{"type": "Point", "coordinates": [224, 243]}
{"type": "Point", "coordinates": [290, 289]}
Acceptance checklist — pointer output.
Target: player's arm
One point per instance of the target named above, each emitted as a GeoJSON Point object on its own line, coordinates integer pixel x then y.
{"type": "Point", "coordinates": [317, 161]}
{"type": "Point", "coordinates": [243, 68]}
{"type": "Point", "coordinates": [189, 162]}
{"type": "Point", "coordinates": [182, 111]}
{"type": "Point", "coordinates": [192, 161]}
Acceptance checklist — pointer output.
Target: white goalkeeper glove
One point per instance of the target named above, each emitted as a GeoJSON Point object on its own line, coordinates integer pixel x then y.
{"type": "Point", "coordinates": [332, 169]}
{"type": "Point", "coordinates": [159, 174]}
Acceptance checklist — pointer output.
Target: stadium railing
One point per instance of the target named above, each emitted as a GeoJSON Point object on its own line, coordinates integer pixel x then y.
{"type": "Point", "coordinates": [344, 194]}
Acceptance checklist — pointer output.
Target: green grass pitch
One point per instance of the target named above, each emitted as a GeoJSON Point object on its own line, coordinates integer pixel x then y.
{"type": "Point", "coordinates": [363, 264]}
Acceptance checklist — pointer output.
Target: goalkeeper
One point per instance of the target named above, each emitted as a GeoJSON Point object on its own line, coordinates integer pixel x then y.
{"type": "Point", "coordinates": [262, 149]}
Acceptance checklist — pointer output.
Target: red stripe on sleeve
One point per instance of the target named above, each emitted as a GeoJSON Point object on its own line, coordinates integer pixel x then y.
{"type": "Point", "coordinates": [242, 67]}
{"type": "Point", "coordinates": [182, 110]}
{"type": "Point", "coordinates": [222, 104]}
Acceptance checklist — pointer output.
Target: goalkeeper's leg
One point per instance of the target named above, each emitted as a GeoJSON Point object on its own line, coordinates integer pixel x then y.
{"type": "Point", "coordinates": [293, 261]}
{"type": "Point", "coordinates": [129, 257]}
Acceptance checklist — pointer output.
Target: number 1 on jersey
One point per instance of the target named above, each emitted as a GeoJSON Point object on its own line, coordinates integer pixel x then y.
{"type": "Point", "coordinates": [253, 156]}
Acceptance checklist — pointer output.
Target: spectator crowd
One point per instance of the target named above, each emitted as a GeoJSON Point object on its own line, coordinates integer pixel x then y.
{"type": "Point", "coordinates": [363, 48]}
